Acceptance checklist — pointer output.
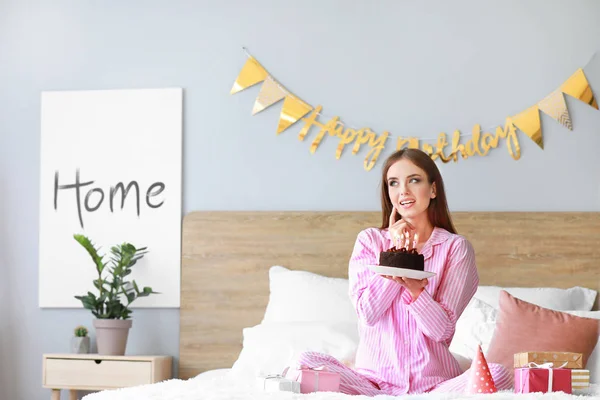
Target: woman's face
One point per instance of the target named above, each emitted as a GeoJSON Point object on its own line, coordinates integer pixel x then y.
{"type": "Point", "coordinates": [409, 189]}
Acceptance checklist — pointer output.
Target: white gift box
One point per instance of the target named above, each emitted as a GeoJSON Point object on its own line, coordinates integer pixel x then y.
{"type": "Point", "coordinates": [277, 383]}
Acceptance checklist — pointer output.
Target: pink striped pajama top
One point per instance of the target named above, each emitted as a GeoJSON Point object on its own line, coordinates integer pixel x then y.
{"type": "Point", "coordinates": [404, 344]}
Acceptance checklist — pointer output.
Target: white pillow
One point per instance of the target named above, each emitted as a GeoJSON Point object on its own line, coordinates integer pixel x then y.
{"type": "Point", "coordinates": [575, 298]}
{"type": "Point", "coordinates": [475, 326]}
{"type": "Point", "coordinates": [477, 323]}
{"type": "Point", "coordinates": [302, 296]}
{"type": "Point", "coordinates": [269, 348]}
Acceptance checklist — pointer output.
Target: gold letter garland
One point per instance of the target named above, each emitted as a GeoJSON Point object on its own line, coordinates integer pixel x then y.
{"type": "Point", "coordinates": [528, 121]}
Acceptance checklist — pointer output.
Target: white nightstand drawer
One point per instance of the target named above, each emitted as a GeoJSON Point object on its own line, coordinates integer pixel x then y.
{"type": "Point", "coordinates": [91, 373]}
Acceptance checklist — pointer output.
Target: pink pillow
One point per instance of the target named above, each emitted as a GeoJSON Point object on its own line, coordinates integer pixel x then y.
{"type": "Point", "coordinates": [522, 326]}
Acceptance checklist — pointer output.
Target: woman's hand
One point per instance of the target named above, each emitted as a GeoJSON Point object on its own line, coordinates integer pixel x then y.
{"type": "Point", "coordinates": [400, 230]}
{"type": "Point", "coordinates": [414, 286]}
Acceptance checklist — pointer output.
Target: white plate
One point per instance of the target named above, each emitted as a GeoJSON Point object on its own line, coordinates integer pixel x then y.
{"type": "Point", "coordinates": [401, 272]}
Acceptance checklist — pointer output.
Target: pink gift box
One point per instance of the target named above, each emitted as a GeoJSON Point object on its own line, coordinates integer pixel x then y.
{"type": "Point", "coordinates": [317, 380]}
{"type": "Point", "coordinates": [529, 380]}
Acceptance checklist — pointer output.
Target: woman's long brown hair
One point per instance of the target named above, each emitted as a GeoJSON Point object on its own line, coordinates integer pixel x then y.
{"type": "Point", "coordinates": [438, 212]}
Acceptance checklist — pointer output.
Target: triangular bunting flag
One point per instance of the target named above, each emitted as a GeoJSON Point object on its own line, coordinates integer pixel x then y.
{"type": "Point", "coordinates": [577, 86]}
{"type": "Point", "coordinates": [480, 380]}
{"type": "Point", "coordinates": [555, 107]}
{"type": "Point", "coordinates": [251, 74]}
{"type": "Point", "coordinates": [529, 122]}
{"type": "Point", "coordinates": [270, 93]}
{"type": "Point", "coordinates": [293, 109]}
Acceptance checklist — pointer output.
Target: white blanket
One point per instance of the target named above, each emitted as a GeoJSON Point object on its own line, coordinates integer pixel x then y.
{"type": "Point", "coordinates": [222, 386]}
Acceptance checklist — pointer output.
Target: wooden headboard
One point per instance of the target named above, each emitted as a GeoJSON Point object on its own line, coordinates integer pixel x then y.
{"type": "Point", "coordinates": [226, 257]}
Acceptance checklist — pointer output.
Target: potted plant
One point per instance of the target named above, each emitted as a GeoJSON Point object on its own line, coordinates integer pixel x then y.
{"type": "Point", "coordinates": [112, 321]}
{"type": "Point", "coordinates": [80, 343]}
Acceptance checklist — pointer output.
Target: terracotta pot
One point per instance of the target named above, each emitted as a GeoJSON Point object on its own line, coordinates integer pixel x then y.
{"type": "Point", "coordinates": [111, 336]}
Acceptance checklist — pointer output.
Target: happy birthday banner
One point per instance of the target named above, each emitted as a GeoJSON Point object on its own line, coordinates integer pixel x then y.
{"type": "Point", "coordinates": [527, 121]}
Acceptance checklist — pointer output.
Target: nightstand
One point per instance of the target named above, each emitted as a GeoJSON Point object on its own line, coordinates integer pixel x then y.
{"type": "Point", "coordinates": [94, 372]}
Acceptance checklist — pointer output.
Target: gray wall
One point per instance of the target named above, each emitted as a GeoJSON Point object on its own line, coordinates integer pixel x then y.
{"type": "Point", "coordinates": [408, 67]}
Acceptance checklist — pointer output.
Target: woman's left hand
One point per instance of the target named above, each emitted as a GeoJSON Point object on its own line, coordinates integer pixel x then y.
{"type": "Point", "coordinates": [414, 286]}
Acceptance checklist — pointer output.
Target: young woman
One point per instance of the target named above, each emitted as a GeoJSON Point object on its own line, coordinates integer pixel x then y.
{"type": "Point", "coordinates": [406, 325]}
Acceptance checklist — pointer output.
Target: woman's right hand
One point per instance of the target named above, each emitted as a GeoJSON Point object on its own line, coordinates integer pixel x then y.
{"type": "Point", "coordinates": [398, 229]}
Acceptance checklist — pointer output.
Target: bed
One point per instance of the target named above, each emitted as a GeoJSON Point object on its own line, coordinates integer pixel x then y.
{"type": "Point", "coordinates": [259, 286]}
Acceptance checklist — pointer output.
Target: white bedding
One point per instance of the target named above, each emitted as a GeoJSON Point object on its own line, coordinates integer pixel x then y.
{"type": "Point", "coordinates": [221, 385]}
{"type": "Point", "coordinates": [294, 323]}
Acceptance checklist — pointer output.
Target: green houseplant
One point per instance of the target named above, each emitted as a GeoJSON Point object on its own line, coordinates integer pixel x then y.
{"type": "Point", "coordinates": [112, 321]}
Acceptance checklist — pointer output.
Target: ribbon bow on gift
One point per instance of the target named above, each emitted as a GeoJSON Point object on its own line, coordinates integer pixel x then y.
{"type": "Point", "coordinates": [321, 368]}
{"type": "Point", "coordinates": [549, 366]}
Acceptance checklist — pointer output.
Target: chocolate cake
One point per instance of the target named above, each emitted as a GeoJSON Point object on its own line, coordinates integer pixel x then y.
{"type": "Point", "coordinates": [402, 258]}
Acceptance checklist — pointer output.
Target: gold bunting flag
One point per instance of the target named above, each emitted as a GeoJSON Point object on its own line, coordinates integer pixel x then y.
{"type": "Point", "coordinates": [251, 74]}
{"type": "Point", "coordinates": [293, 109]}
{"type": "Point", "coordinates": [270, 93]}
{"type": "Point", "coordinates": [446, 149]}
{"type": "Point", "coordinates": [555, 107]}
{"type": "Point", "coordinates": [577, 86]}
{"type": "Point", "coordinates": [529, 122]}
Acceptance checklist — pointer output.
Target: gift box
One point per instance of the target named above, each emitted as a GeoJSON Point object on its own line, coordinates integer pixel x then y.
{"type": "Point", "coordinates": [580, 379]}
{"type": "Point", "coordinates": [542, 378]}
{"type": "Point", "coordinates": [572, 360]}
{"type": "Point", "coordinates": [317, 379]}
{"type": "Point", "coordinates": [277, 383]}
